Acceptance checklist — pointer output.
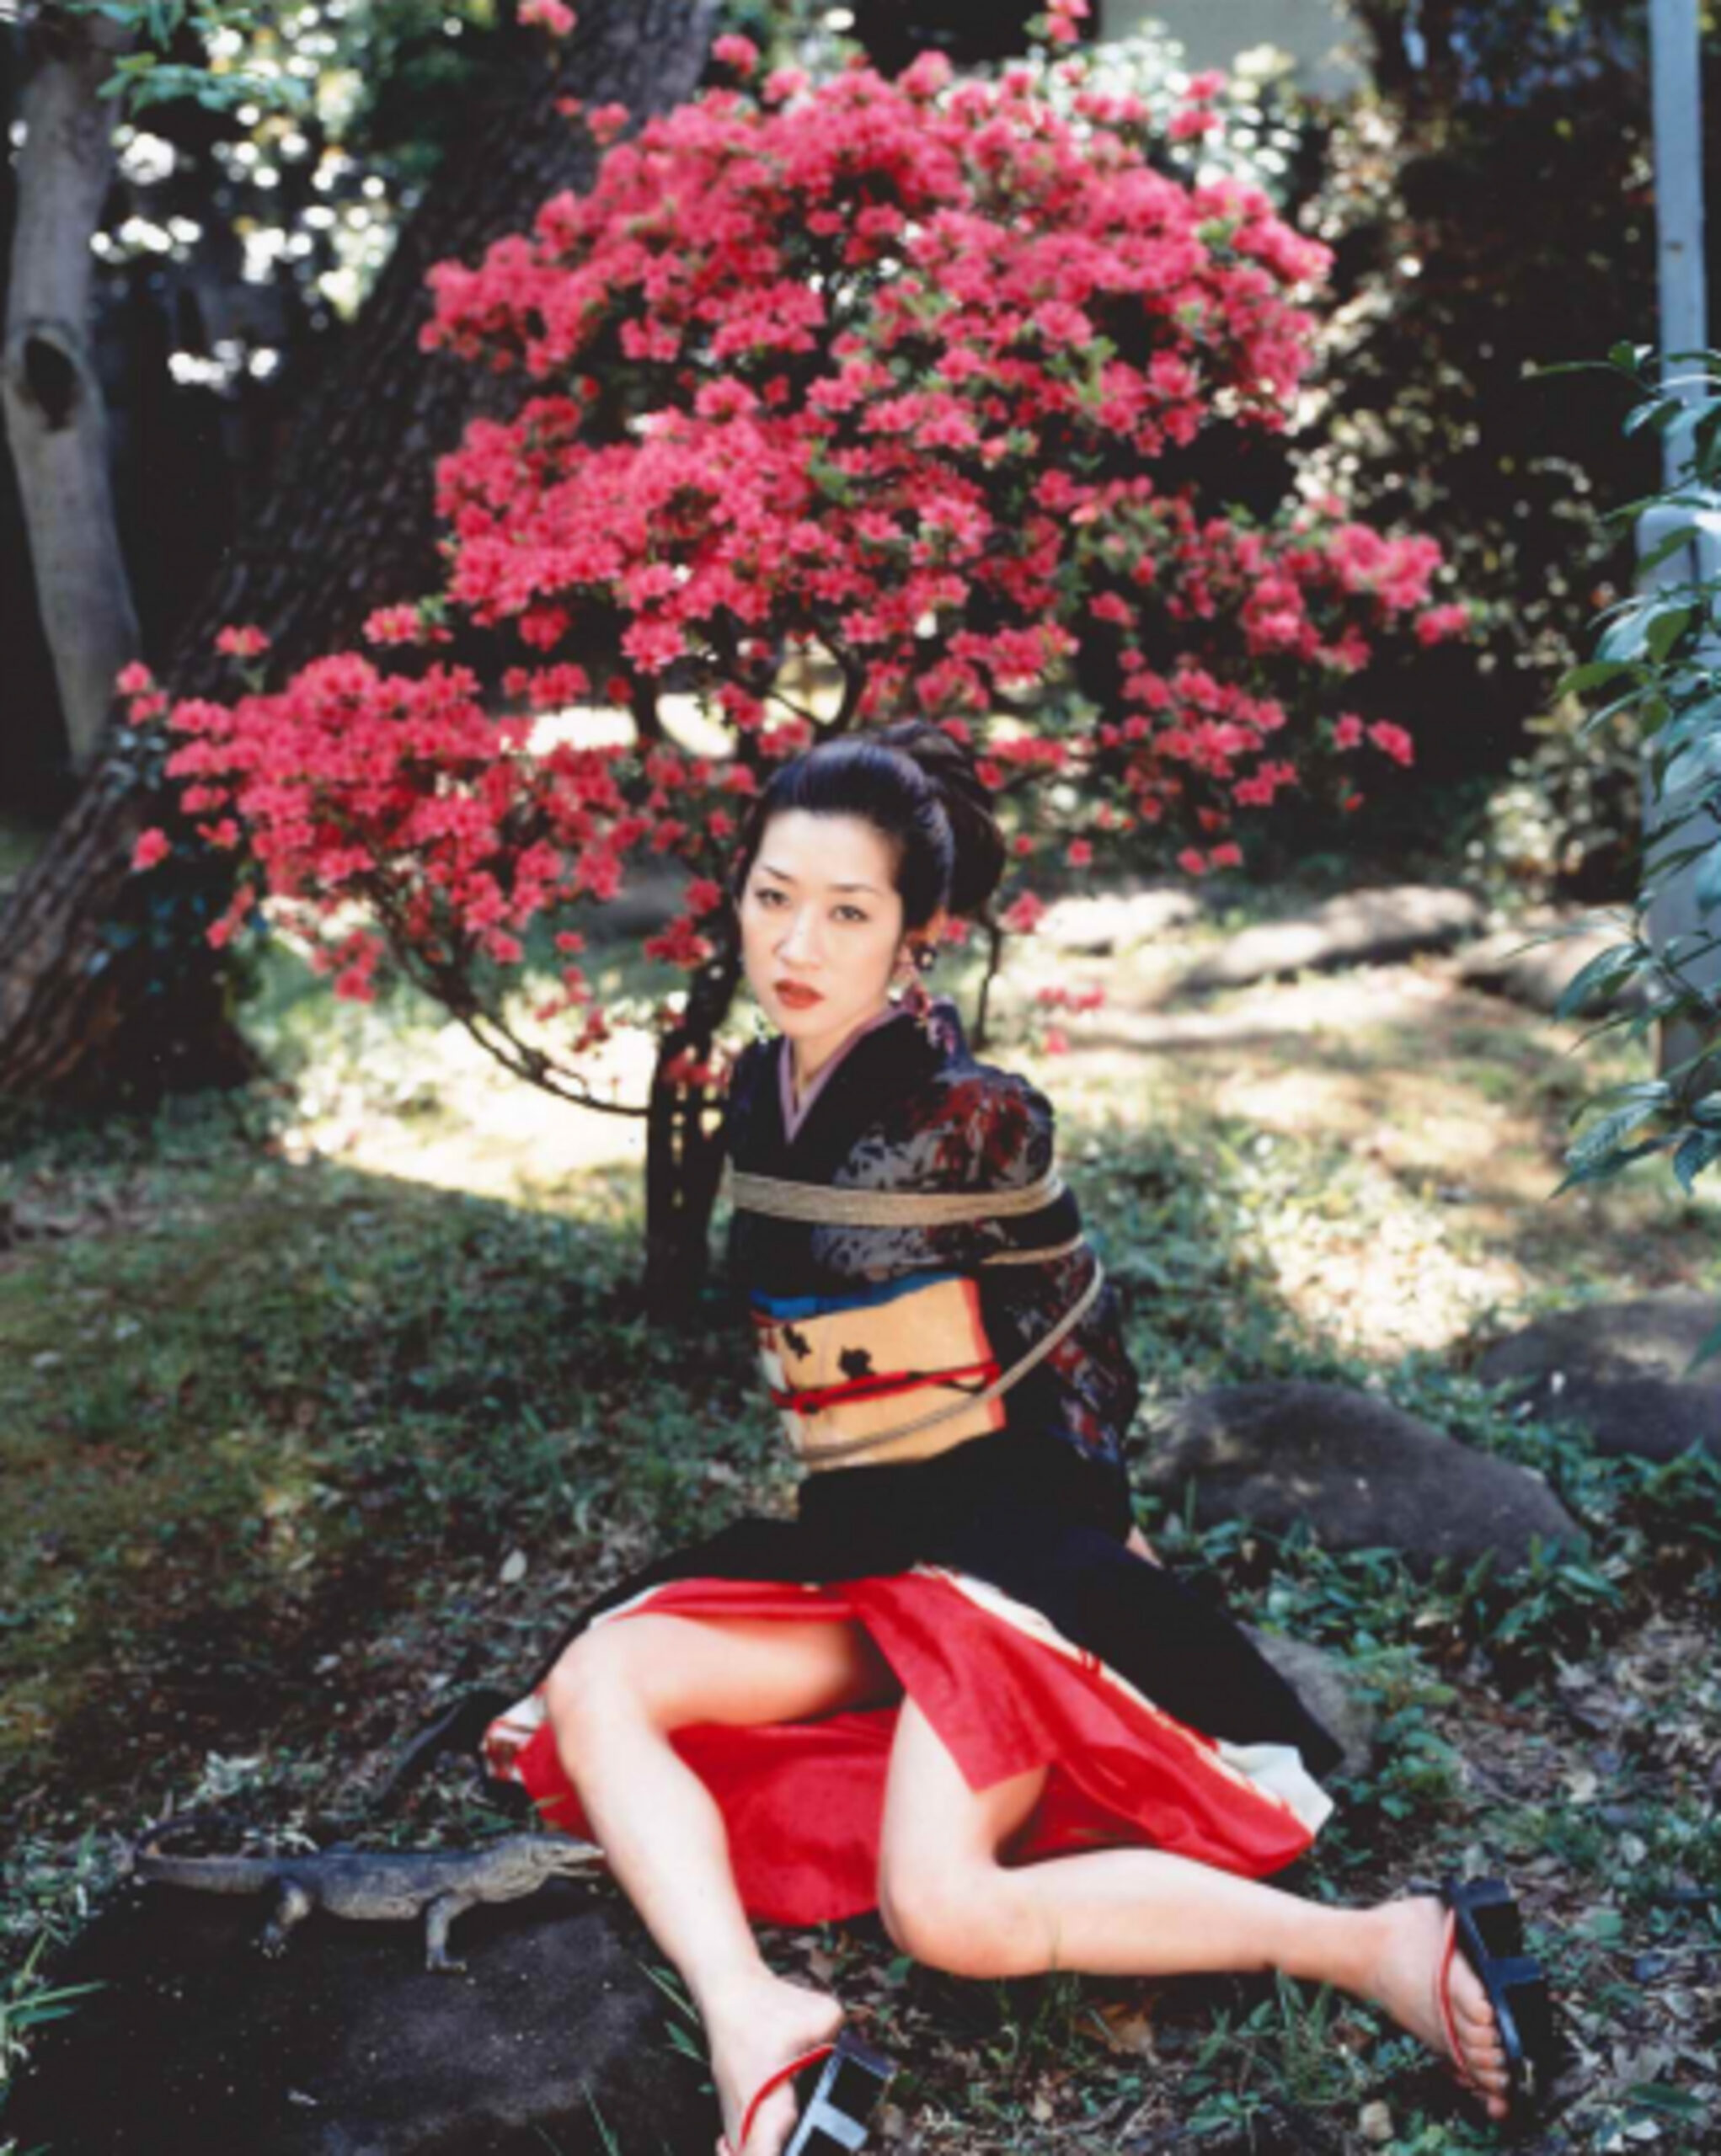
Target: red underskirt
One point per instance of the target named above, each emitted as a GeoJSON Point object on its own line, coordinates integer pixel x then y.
{"type": "Point", "coordinates": [803, 1801]}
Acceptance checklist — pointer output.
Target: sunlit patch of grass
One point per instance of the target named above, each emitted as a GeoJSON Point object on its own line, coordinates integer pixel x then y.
{"type": "Point", "coordinates": [1395, 1176]}
{"type": "Point", "coordinates": [303, 1029]}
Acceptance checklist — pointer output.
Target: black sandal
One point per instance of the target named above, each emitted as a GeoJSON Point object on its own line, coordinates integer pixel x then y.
{"type": "Point", "coordinates": [834, 2117]}
{"type": "Point", "coordinates": [1485, 1923]}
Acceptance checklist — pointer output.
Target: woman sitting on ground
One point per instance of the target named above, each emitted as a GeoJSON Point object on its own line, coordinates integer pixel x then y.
{"type": "Point", "coordinates": [956, 1686]}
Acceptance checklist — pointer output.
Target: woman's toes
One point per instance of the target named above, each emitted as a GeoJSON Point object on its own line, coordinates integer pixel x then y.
{"type": "Point", "coordinates": [750, 2041]}
{"type": "Point", "coordinates": [1484, 2060]}
{"type": "Point", "coordinates": [1483, 2053]}
{"type": "Point", "coordinates": [1406, 1983]}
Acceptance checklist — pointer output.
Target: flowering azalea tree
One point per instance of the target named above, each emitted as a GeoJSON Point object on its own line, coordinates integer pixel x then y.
{"type": "Point", "coordinates": [894, 376]}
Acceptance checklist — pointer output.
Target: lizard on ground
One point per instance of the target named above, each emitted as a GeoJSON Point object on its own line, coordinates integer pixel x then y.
{"type": "Point", "coordinates": [437, 1884]}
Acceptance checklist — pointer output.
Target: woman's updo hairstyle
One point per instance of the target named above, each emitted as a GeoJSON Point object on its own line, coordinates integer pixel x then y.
{"type": "Point", "coordinates": [918, 787]}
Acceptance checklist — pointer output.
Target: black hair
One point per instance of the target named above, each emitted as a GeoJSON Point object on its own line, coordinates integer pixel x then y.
{"type": "Point", "coordinates": [919, 788]}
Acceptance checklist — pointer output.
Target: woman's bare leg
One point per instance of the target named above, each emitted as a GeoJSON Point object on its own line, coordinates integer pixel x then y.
{"type": "Point", "coordinates": [613, 1700]}
{"type": "Point", "coordinates": [947, 1900]}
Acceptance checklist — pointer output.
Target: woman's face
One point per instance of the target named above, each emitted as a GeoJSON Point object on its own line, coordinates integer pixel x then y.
{"type": "Point", "coordinates": [820, 913]}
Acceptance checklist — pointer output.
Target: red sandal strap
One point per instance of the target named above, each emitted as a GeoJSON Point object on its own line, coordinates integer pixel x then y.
{"type": "Point", "coordinates": [776, 2081]}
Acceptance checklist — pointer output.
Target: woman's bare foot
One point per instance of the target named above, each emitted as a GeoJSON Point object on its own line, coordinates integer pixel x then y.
{"type": "Point", "coordinates": [1404, 1978]}
{"type": "Point", "coordinates": [752, 2032]}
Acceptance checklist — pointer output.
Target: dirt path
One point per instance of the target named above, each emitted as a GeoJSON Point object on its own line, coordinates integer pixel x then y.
{"type": "Point", "coordinates": [1419, 1127]}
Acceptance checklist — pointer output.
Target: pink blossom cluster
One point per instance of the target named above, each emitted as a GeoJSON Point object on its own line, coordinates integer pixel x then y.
{"type": "Point", "coordinates": [1024, 914]}
{"type": "Point", "coordinates": [408, 795]}
{"type": "Point", "coordinates": [885, 370]}
{"type": "Point", "coordinates": [404, 625]}
{"type": "Point", "coordinates": [136, 683]}
{"type": "Point", "coordinates": [1064, 19]}
{"type": "Point", "coordinates": [550, 15]}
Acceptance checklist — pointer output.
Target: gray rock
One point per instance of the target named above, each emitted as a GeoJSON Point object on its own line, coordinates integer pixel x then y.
{"type": "Point", "coordinates": [1356, 928]}
{"type": "Point", "coordinates": [1617, 1372]}
{"type": "Point", "coordinates": [1319, 1680]}
{"type": "Point", "coordinates": [1538, 976]}
{"type": "Point", "coordinates": [197, 2045]}
{"type": "Point", "coordinates": [1357, 1471]}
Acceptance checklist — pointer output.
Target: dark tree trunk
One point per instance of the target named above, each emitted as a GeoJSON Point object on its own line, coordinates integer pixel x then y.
{"type": "Point", "coordinates": [99, 1000]}
{"type": "Point", "coordinates": [684, 1146]}
{"type": "Point", "coordinates": [56, 417]}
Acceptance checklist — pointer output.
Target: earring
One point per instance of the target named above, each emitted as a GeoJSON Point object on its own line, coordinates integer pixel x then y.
{"type": "Point", "coordinates": [915, 997]}
{"type": "Point", "coordinates": [926, 957]}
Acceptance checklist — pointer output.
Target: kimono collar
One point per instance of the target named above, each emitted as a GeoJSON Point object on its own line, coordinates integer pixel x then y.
{"type": "Point", "coordinates": [794, 1112]}
{"type": "Point", "coordinates": [878, 1064]}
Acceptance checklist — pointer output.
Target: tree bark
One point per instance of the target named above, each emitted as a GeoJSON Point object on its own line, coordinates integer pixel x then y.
{"type": "Point", "coordinates": [686, 1143]}
{"type": "Point", "coordinates": [98, 1002]}
{"type": "Point", "coordinates": [55, 415]}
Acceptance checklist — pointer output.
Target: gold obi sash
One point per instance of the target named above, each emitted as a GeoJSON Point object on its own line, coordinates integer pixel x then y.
{"type": "Point", "coordinates": [841, 1374]}
{"type": "Point", "coordinates": [840, 1378]}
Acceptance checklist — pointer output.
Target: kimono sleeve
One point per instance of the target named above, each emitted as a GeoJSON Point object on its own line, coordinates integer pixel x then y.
{"type": "Point", "coordinates": [1088, 1389]}
{"type": "Point", "coordinates": [1017, 1137]}
{"type": "Point", "coordinates": [1014, 1141]}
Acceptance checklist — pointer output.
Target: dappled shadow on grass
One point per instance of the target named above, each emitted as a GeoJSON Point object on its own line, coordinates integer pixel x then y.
{"type": "Point", "coordinates": [268, 1433]}
{"type": "Point", "coordinates": [1416, 1133]}
{"type": "Point", "coordinates": [289, 1449]}
{"type": "Point", "coordinates": [272, 1434]}
{"type": "Point", "coordinates": [1173, 1230]}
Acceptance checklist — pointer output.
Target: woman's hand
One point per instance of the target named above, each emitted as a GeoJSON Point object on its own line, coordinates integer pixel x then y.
{"type": "Point", "coordinates": [1142, 1546]}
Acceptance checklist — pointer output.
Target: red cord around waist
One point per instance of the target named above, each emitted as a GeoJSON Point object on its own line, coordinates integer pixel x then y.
{"type": "Point", "coordinates": [881, 1385]}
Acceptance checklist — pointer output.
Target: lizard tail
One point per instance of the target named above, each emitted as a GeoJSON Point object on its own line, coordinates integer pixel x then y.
{"type": "Point", "coordinates": [144, 1841]}
{"type": "Point", "coordinates": [218, 1875]}
{"type": "Point", "coordinates": [458, 1728]}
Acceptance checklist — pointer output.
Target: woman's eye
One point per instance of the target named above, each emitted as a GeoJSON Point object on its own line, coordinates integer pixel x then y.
{"type": "Point", "coordinates": [768, 895]}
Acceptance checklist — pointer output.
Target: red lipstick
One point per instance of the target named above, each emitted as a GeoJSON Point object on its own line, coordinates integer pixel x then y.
{"type": "Point", "coordinates": [797, 997]}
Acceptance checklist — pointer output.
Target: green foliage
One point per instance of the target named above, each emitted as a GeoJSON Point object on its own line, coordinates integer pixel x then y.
{"type": "Point", "coordinates": [44, 1895]}
{"type": "Point", "coordinates": [1282, 2048]}
{"type": "Point", "coordinates": [223, 54]}
{"type": "Point", "coordinates": [1658, 659]}
{"type": "Point", "coordinates": [1026, 2043]}
{"type": "Point", "coordinates": [28, 2002]}
{"type": "Point", "coordinates": [279, 1378]}
{"type": "Point", "coordinates": [1564, 818]}
{"type": "Point", "coordinates": [682, 2031]}
{"type": "Point", "coordinates": [147, 76]}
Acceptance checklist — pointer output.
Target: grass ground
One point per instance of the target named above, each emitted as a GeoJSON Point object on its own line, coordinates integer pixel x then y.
{"type": "Point", "coordinates": [312, 1411]}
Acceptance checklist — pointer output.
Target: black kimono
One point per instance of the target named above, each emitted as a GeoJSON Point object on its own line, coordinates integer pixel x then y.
{"type": "Point", "coordinates": [971, 1514]}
